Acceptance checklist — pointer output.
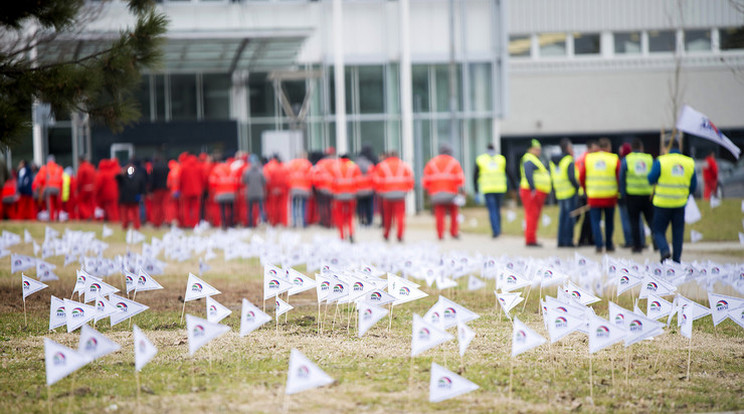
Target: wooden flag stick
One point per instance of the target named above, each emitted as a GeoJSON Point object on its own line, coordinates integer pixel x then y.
{"type": "Point", "coordinates": [591, 379]}
{"type": "Point", "coordinates": [390, 324]}
{"type": "Point", "coordinates": [49, 399]}
{"type": "Point", "coordinates": [286, 315]}
{"type": "Point", "coordinates": [136, 375]}
{"type": "Point", "coordinates": [689, 356]}
{"type": "Point", "coordinates": [72, 393]}
{"type": "Point", "coordinates": [627, 367]}
{"type": "Point", "coordinates": [348, 321]}
{"type": "Point", "coordinates": [335, 314]}
{"type": "Point", "coordinates": [183, 310]}
{"type": "Point", "coordinates": [134, 297]}
{"type": "Point", "coordinates": [511, 374]}
{"type": "Point", "coordinates": [25, 320]}
{"type": "Point", "coordinates": [318, 317]}
{"type": "Point", "coordinates": [539, 298]}
{"type": "Point", "coordinates": [529, 290]}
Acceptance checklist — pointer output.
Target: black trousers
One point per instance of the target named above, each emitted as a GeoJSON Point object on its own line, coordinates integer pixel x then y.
{"type": "Point", "coordinates": [637, 205]}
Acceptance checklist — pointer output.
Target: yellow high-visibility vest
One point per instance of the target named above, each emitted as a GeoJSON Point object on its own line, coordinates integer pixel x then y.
{"type": "Point", "coordinates": [673, 187]}
{"type": "Point", "coordinates": [600, 179]}
{"type": "Point", "coordinates": [491, 173]}
{"type": "Point", "coordinates": [65, 187]}
{"type": "Point", "coordinates": [541, 176]}
{"type": "Point", "coordinates": [636, 178]}
{"type": "Point", "coordinates": [559, 174]}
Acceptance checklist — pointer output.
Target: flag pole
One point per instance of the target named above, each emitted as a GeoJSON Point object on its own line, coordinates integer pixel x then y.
{"type": "Point", "coordinates": [135, 296]}
{"type": "Point", "coordinates": [183, 310]}
{"type": "Point", "coordinates": [627, 367]}
{"type": "Point", "coordinates": [539, 298]}
{"type": "Point", "coordinates": [529, 290]}
{"type": "Point", "coordinates": [390, 324]}
{"type": "Point", "coordinates": [72, 393]}
{"type": "Point", "coordinates": [511, 374]}
{"type": "Point", "coordinates": [689, 356]}
{"type": "Point", "coordinates": [136, 376]}
{"type": "Point", "coordinates": [25, 319]}
{"type": "Point", "coordinates": [318, 317]}
{"type": "Point", "coordinates": [348, 321]}
{"type": "Point", "coordinates": [286, 315]}
{"type": "Point", "coordinates": [591, 379]}
{"type": "Point", "coordinates": [335, 314]}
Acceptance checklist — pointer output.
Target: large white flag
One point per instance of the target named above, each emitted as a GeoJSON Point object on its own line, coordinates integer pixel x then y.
{"type": "Point", "coordinates": [127, 308]}
{"type": "Point", "coordinates": [60, 361]}
{"type": "Point", "coordinates": [144, 350]}
{"type": "Point", "coordinates": [104, 308]}
{"type": "Point", "coordinates": [300, 282]}
{"type": "Point", "coordinates": [446, 314]}
{"type": "Point", "coordinates": [338, 289]}
{"type": "Point", "coordinates": [94, 288]}
{"type": "Point", "coordinates": [274, 282]}
{"type": "Point", "coordinates": [720, 305]}
{"type": "Point", "coordinates": [657, 307]}
{"type": "Point", "coordinates": [57, 313]}
{"type": "Point", "coordinates": [93, 344]}
{"type": "Point", "coordinates": [303, 374]}
{"type": "Point", "coordinates": [197, 289]}
{"type": "Point", "coordinates": [698, 311]}
{"type": "Point", "coordinates": [216, 311]}
{"type": "Point", "coordinates": [146, 282]}
{"type": "Point", "coordinates": [639, 327]}
{"type": "Point", "coordinates": [696, 123]}
{"type": "Point", "coordinates": [251, 318]}
{"type": "Point", "coordinates": [77, 314]}
{"type": "Point", "coordinates": [524, 338]}
{"type": "Point", "coordinates": [603, 334]}
{"type": "Point", "coordinates": [445, 384]}
{"type": "Point", "coordinates": [369, 314]}
{"type": "Point", "coordinates": [465, 335]}
{"type": "Point", "coordinates": [130, 279]}
{"type": "Point", "coordinates": [30, 286]}
{"type": "Point", "coordinates": [425, 336]}
{"type": "Point", "coordinates": [323, 287]}
{"type": "Point", "coordinates": [200, 331]}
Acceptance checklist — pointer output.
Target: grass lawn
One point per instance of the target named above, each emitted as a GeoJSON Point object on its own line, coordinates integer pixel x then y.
{"type": "Point", "coordinates": [373, 374]}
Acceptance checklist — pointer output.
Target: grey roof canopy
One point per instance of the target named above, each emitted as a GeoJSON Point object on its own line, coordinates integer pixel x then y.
{"type": "Point", "coordinates": [212, 51]}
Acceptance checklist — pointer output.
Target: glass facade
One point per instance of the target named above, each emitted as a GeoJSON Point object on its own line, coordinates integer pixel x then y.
{"type": "Point", "coordinates": [697, 41]}
{"type": "Point", "coordinates": [628, 43]}
{"type": "Point", "coordinates": [586, 43]}
{"type": "Point", "coordinates": [519, 45]}
{"type": "Point", "coordinates": [660, 41]}
{"type": "Point", "coordinates": [731, 38]}
{"type": "Point", "coordinates": [552, 44]}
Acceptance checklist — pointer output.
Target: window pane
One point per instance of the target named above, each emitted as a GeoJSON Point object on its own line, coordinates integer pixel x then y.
{"type": "Point", "coordinates": [371, 97]}
{"type": "Point", "coordinates": [216, 96]}
{"type": "Point", "coordinates": [480, 87]}
{"type": "Point", "coordinates": [393, 140]}
{"type": "Point", "coordinates": [441, 72]}
{"type": "Point", "coordinates": [295, 94]}
{"type": "Point", "coordinates": [661, 41]}
{"type": "Point", "coordinates": [586, 44]}
{"type": "Point", "coordinates": [159, 96]}
{"type": "Point", "coordinates": [142, 95]}
{"type": "Point", "coordinates": [392, 97]}
{"type": "Point", "coordinates": [519, 45]}
{"type": "Point", "coordinates": [732, 38]}
{"type": "Point", "coordinates": [628, 43]}
{"type": "Point", "coordinates": [183, 96]}
{"type": "Point", "coordinates": [260, 95]}
{"type": "Point", "coordinates": [420, 86]}
{"type": "Point", "coordinates": [373, 135]}
{"type": "Point", "coordinates": [348, 86]}
{"type": "Point", "coordinates": [697, 40]}
{"type": "Point", "coordinates": [552, 44]}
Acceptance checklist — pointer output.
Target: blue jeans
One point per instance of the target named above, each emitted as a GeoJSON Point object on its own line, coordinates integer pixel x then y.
{"type": "Point", "coordinates": [661, 220]}
{"type": "Point", "coordinates": [565, 221]}
{"type": "Point", "coordinates": [595, 213]}
{"type": "Point", "coordinates": [625, 221]}
{"type": "Point", "coordinates": [261, 213]}
{"type": "Point", "coordinates": [493, 203]}
{"type": "Point", "coordinates": [298, 211]}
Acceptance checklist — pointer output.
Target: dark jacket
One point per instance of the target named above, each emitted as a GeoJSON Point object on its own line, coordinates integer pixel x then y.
{"type": "Point", "coordinates": [158, 179]}
{"type": "Point", "coordinates": [25, 181]}
{"type": "Point", "coordinates": [132, 182]}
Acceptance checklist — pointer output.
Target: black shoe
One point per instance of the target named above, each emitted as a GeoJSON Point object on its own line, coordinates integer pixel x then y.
{"type": "Point", "coordinates": [627, 246]}
{"type": "Point", "coordinates": [533, 244]}
{"type": "Point", "coordinates": [385, 237]}
{"type": "Point", "coordinates": [665, 257]}
{"type": "Point", "coordinates": [599, 250]}
{"type": "Point", "coordinates": [351, 239]}
{"type": "Point", "coordinates": [400, 240]}
{"type": "Point", "coordinates": [637, 250]}
{"type": "Point", "coordinates": [456, 237]}
{"type": "Point", "coordinates": [611, 249]}
{"type": "Point", "coordinates": [494, 236]}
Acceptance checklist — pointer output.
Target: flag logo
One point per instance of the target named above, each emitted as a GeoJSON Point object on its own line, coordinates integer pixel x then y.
{"type": "Point", "coordinates": [338, 288]}
{"type": "Point", "coordinates": [212, 310]}
{"type": "Point", "coordinates": [612, 268]}
{"type": "Point", "coordinates": [708, 125]}
{"type": "Point", "coordinates": [61, 312]}
{"type": "Point", "coordinates": [142, 280]}
{"type": "Point", "coordinates": [375, 296]}
{"type": "Point", "coordinates": [78, 313]}
{"type": "Point", "coordinates": [91, 344]}
{"type": "Point", "coordinates": [657, 272]}
{"type": "Point", "coordinates": [358, 287]}
{"type": "Point", "coordinates": [80, 279]}
{"type": "Point", "coordinates": [298, 281]}
{"type": "Point", "coordinates": [95, 287]}
{"type": "Point", "coordinates": [652, 286]}
{"type": "Point", "coordinates": [424, 334]}
{"type": "Point", "coordinates": [624, 280]}
{"type": "Point", "coordinates": [122, 306]}
{"type": "Point", "coordinates": [603, 332]}
{"type": "Point", "coordinates": [548, 274]}
{"type": "Point", "coordinates": [715, 270]}
{"type": "Point", "coordinates": [511, 280]}
{"type": "Point", "coordinates": [367, 314]}
{"type": "Point", "coordinates": [325, 285]}
{"type": "Point", "coordinates": [678, 170]}
{"type": "Point", "coordinates": [272, 272]}
{"type": "Point", "coordinates": [636, 326]}
{"type": "Point", "coordinates": [196, 287]}
{"type": "Point", "coordinates": [655, 307]}
{"type": "Point", "coordinates": [721, 305]}
{"type": "Point", "coordinates": [142, 346]}
{"type": "Point", "coordinates": [582, 262]}
{"type": "Point", "coordinates": [303, 372]}
{"type": "Point", "coordinates": [600, 165]}
{"type": "Point", "coordinates": [561, 322]}
{"type": "Point", "coordinates": [502, 300]}
{"type": "Point", "coordinates": [670, 272]}
{"type": "Point", "coordinates": [128, 280]}
{"type": "Point", "coordinates": [404, 291]}
{"type": "Point", "coordinates": [562, 309]}
{"type": "Point", "coordinates": [59, 359]}
{"type": "Point", "coordinates": [576, 294]}
{"type": "Point", "coordinates": [273, 284]}
{"type": "Point", "coordinates": [619, 319]}
{"type": "Point", "coordinates": [450, 313]}
{"type": "Point", "coordinates": [198, 331]}
{"type": "Point", "coordinates": [250, 316]}
{"type": "Point", "coordinates": [26, 285]}
{"type": "Point", "coordinates": [444, 383]}
{"type": "Point", "coordinates": [435, 317]}
{"type": "Point", "coordinates": [510, 265]}
{"type": "Point", "coordinates": [367, 270]}
{"type": "Point", "coordinates": [521, 336]}
{"type": "Point", "coordinates": [99, 306]}
{"type": "Point", "coordinates": [641, 167]}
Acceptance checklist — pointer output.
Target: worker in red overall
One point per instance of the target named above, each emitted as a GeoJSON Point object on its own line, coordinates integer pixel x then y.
{"type": "Point", "coordinates": [345, 176]}
{"type": "Point", "coordinates": [48, 185]}
{"type": "Point", "coordinates": [393, 179]}
{"type": "Point", "coordinates": [443, 180]}
{"type": "Point", "coordinates": [86, 188]}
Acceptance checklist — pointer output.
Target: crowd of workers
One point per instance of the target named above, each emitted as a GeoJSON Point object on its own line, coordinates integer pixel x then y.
{"type": "Point", "coordinates": [245, 190]}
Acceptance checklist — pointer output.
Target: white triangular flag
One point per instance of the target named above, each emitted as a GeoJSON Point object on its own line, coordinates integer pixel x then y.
{"type": "Point", "coordinates": [737, 315]}
{"type": "Point", "coordinates": [426, 336]}
{"type": "Point", "coordinates": [627, 281]}
{"type": "Point", "coordinates": [274, 282]}
{"type": "Point", "coordinates": [60, 361]}
{"type": "Point", "coordinates": [146, 282]}
{"type": "Point", "coordinates": [106, 232]}
{"type": "Point", "coordinates": [714, 202]}
{"type": "Point", "coordinates": [474, 283]}
{"type": "Point", "coordinates": [619, 315]}
{"type": "Point", "coordinates": [19, 263]}
{"type": "Point", "coordinates": [562, 324]}
{"type": "Point", "coordinates": [134, 237]}
{"type": "Point", "coordinates": [37, 248]}
{"type": "Point", "coordinates": [251, 318]}
{"type": "Point", "coordinates": [130, 280]}
{"type": "Point", "coordinates": [93, 344]}
{"type": "Point", "coordinates": [282, 307]}
{"type": "Point", "coordinates": [603, 334]}
{"type": "Point", "coordinates": [524, 338]}
{"type": "Point", "coordinates": [511, 215]}
{"type": "Point", "coordinates": [720, 305]}
{"type": "Point", "coordinates": [377, 297]}
{"type": "Point", "coordinates": [403, 290]}
{"type": "Point", "coordinates": [200, 331]}
{"type": "Point", "coordinates": [695, 236]}
{"type": "Point", "coordinates": [104, 308]}
{"type": "Point", "coordinates": [128, 308]}
{"type": "Point", "coordinates": [50, 233]}
{"type": "Point", "coordinates": [339, 289]}
{"type": "Point", "coordinates": [95, 287]}
{"type": "Point", "coordinates": [657, 307]}
{"type": "Point", "coordinates": [323, 287]}
{"type": "Point", "coordinates": [203, 267]}
{"type": "Point", "coordinates": [685, 318]}
{"type": "Point", "coordinates": [638, 326]}
{"type": "Point", "coordinates": [369, 314]}
{"type": "Point", "coordinates": [57, 313]}
{"type": "Point", "coordinates": [27, 237]}
{"type": "Point", "coordinates": [144, 350]}
{"type": "Point", "coordinates": [446, 314]}
{"type": "Point", "coordinates": [698, 311]}
{"type": "Point", "coordinates": [78, 314]}
{"type": "Point", "coordinates": [300, 282]}
{"type": "Point", "coordinates": [30, 286]}
{"type": "Point", "coordinates": [83, 280]}
{"type": "Point", "coordinates": [582, 296]}
{"type": "Point", "coordinates": [508, 301]}
{"type": "Point", "coordinates": [464, 336]}
{"type": "Point", "coordinates": [511, 280]}
{"type": "Point", "coordinates": [652, 285]}
{"type": "Point", "coordinates": [304, 375]}
{"type": "Point", "coordinates": [197, 289]}
{"type": "Point", "coordinates": [216, 311]}
{"type": "Point", "coordinates": [445, 384]}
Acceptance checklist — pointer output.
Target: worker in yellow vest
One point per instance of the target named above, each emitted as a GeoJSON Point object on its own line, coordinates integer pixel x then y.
{"type": "Point", "coordinates": [534, 187]}
{"type": "Point", "coordinates": [565, 185]}
{"type": "Point", "coordinates": [674, 177]}
{"type": "Point", "coordinates": [636, 191]}
{"type": "Point", "coordinates": [489, 179]}
{"type": "Point", "coordinates": [598, 176]}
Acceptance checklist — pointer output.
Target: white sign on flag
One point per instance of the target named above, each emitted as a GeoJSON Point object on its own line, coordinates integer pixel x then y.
{"type": "Point", "coordinates": [94, 287]}
{"type": "Point", "coordinates": [201, 331]}
{"type": "Point", "coordinates": [77, 314]}
{"type": "Point", "coordinates": [93, 344]}
{"type": "Point", "coordinates": [216, 311]}
{"type": "Point", "coordinates": [696, 123]}
{"type": "Point", "coordinates": [127, 308]}
{"type": "Point", "coordinates": [369, 314]}
{"type": "Point", "coordinates": [60, 361]}
{"type": "Point", "coordinates": [104, 308]}
{"type": "Point", "coordinates": [582, 296]}
{"type": "Point", "coordinates": [197, 289]}
{"type": "Point", "coordinates": [304, 375]}
{"type": "Point", "coordinates": [720, 305]}
{"type": "Point", "coordinates": [652, 285]}
{"type": "Point", "coordinates": [282, 307]}
{"type": "Point", "coordinates": [561, 324]}
{"type": "Point", "coordinates": [144, 350]}
{"type": "Point", "coordinates": [251, 318]}
{"type": "Point", "coordinates": [603, 334]}
{"type": "Point", "coordinates": [403, 290]}
{"type": "Point", "coordinates": [465, 335]}
{"type": "Point", "coordinates": [445, 384]}
{"type": "Point", "coordinates": [737, 315]}
{"type": "Point", "coordinates": [524, 338]}
{"type": "Point", "coordinates": [425, 336]}
{"type": "Point", "coordinates": [657, 307]}
{"type": "Point", "coordinates": [57, 313]}
{"type": "Point", "coordinates": [508, 301]}
{"type": "Point", "coordinates": [274, 282]}
{"type": "Point", "coordinates": [30, 286]}
{"type": "Point", "coordinates": [377, 297]}
{"type": "Point", "coordinates": [446, 314]}
{"type": "Point", "coordinates": [300, 282]}
{"type": "Point", "coordinates": [146, 282]}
